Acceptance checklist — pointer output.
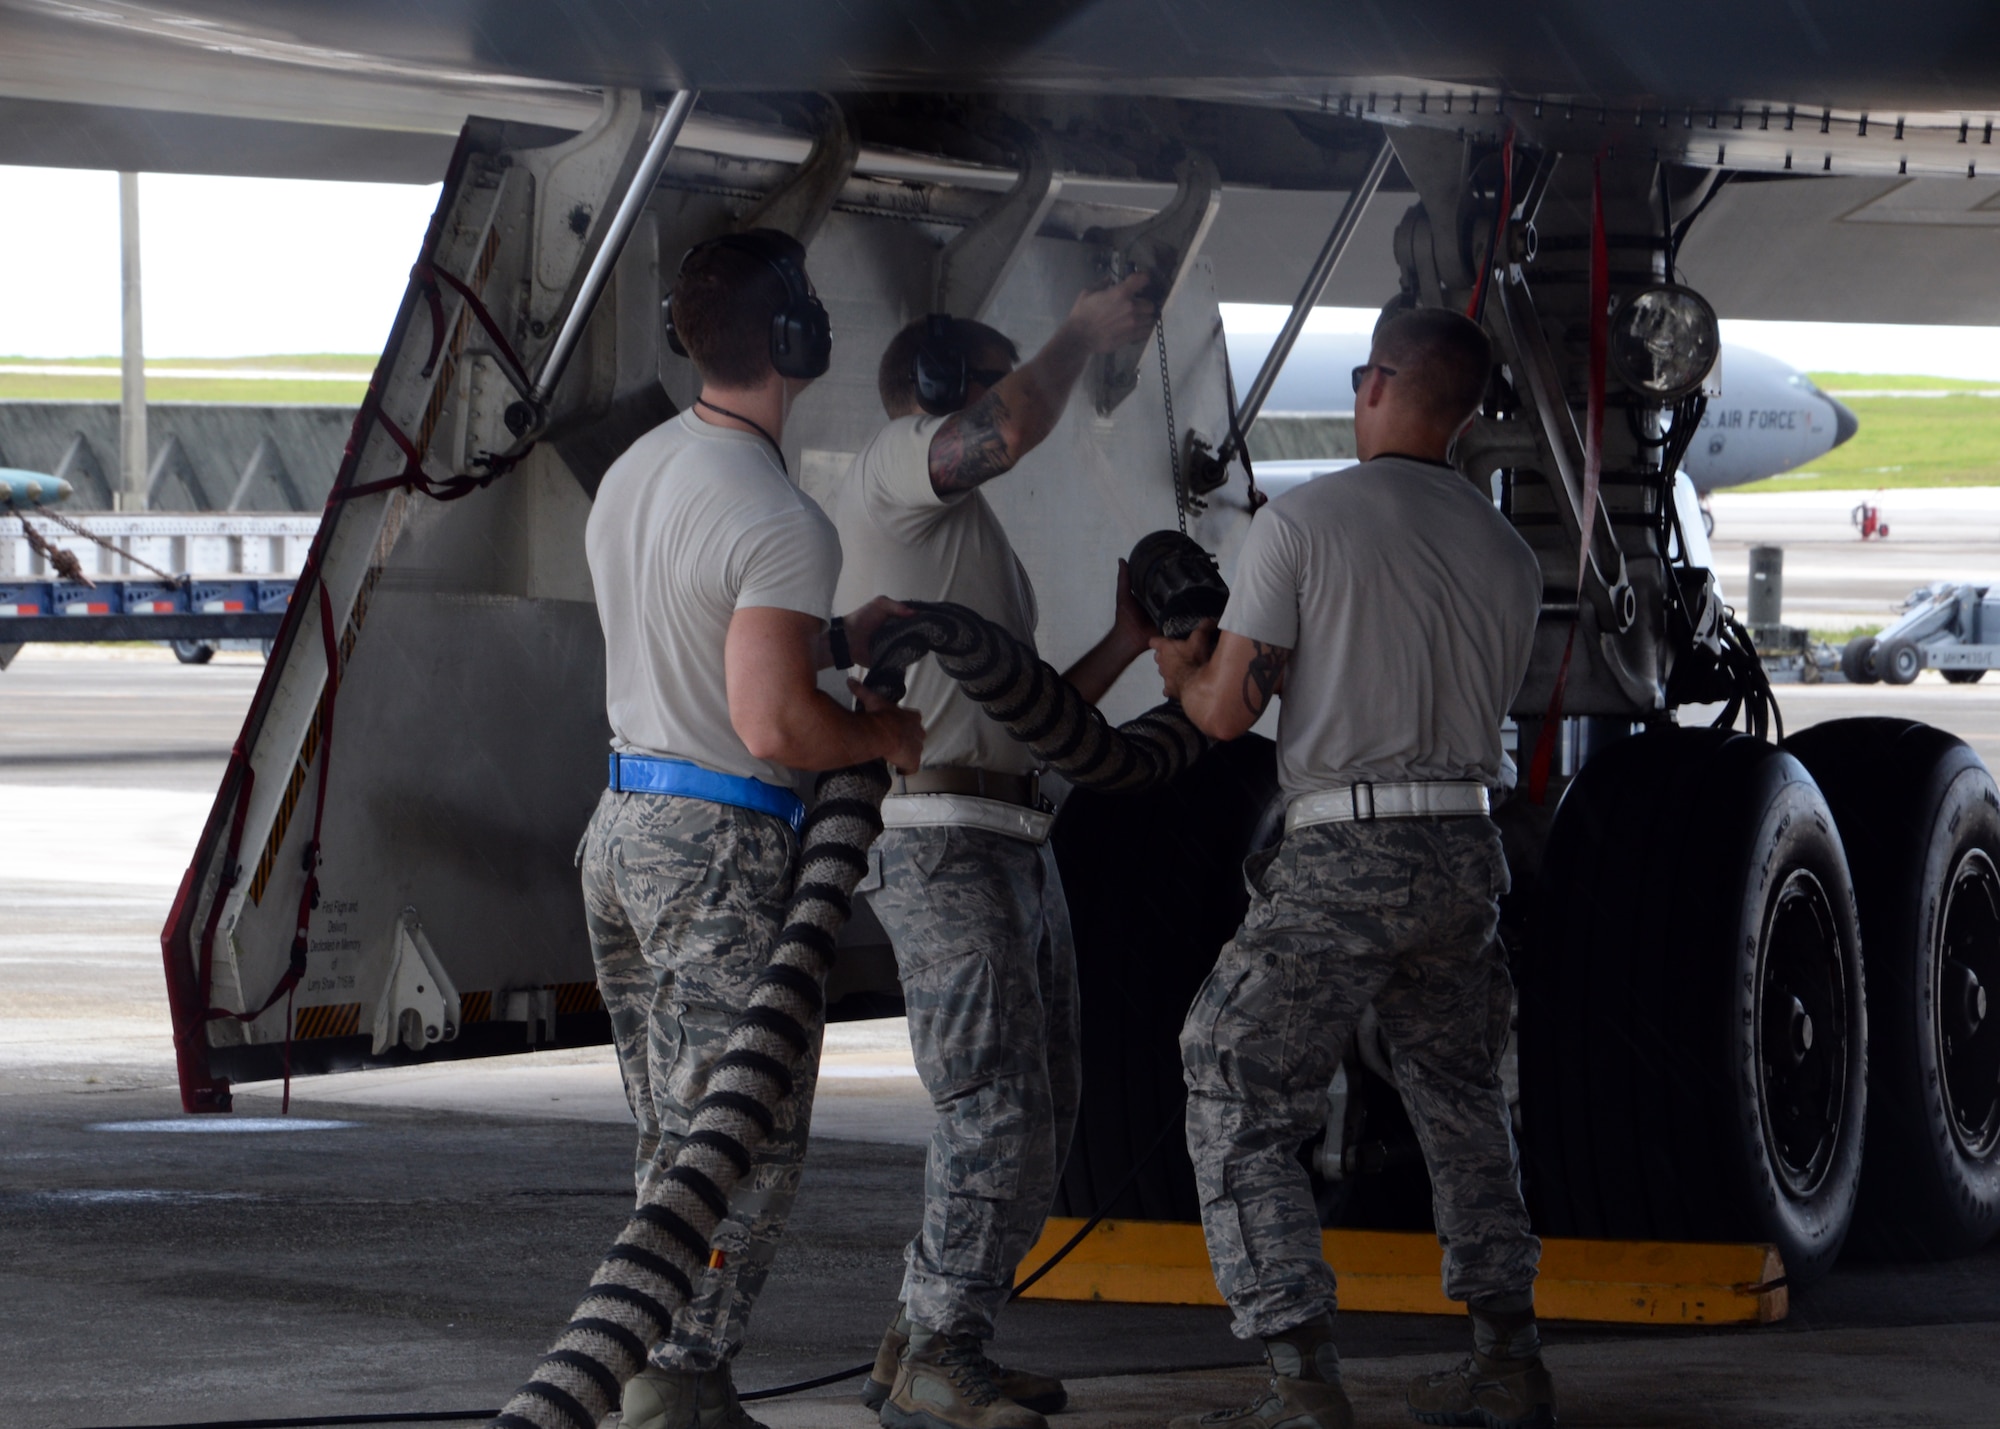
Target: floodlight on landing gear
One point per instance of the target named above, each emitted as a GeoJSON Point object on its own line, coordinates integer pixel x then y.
{"type": "Point", "coordinates": [1664, 341]}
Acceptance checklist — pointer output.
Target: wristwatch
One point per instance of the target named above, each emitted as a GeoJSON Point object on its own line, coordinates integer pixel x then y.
{"type": "Point", "coordinates": [836, 642]}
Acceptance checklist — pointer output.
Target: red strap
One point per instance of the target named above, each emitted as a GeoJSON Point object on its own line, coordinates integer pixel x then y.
{"type": "Point", "coordinates": [517, 372]}
{"type": "Point", "coordinates": [295, 971]}
{"type": "Point", "coordinates": [1593, 467]}
{"type": "Point", "coordinates": [1477, 306]}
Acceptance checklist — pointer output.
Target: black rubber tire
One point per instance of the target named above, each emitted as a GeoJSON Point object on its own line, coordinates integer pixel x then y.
{"type": "Point", "coordinates": [1693, 879]}
{"type": "Point", "coordinates": [1857, 661]}
{"type": "Point", "coordinates": [192, 652]}
{"type": "Point", "coordinates": [1962, 677]}
{"type": "Point", "coordinates": [1155, 888]}
{"type": "Point", "coordinates": [1899, 661]}
{"type": "Point", "coordinates": [1920, 815]}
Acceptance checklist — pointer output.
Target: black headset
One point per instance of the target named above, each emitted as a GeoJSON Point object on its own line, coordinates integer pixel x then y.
{"type": "Point", "coordinates": [941, 368]}
{"type": "Point", "coordinates": [801, 333]}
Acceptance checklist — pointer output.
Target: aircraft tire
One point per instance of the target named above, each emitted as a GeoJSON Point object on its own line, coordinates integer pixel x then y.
{"type": "Point", "coordinates": [1155, 888]}
{"type": "Point", "coordinates": [1694, 906]}
{"type": "Point", "coordinates": [1898, 661]}
{"type": "Point", "coordinates": [192, 652]}
{"type": "Point", "coordinates": [1920, 818]}
{"type": "Point", "coordinates": [1857, 661]}
{"type": "Point", "coordinates": [1962, 677]}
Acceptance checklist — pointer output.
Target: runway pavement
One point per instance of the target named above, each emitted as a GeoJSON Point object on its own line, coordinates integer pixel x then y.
{"type": "Point", "coordinates": [412, 1239]}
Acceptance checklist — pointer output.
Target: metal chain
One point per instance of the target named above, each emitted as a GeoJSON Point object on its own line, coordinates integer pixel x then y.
{"type": "Point", "coordinates": [89, 535]}
{"type": "Point", "coordinates": [1173, 432]}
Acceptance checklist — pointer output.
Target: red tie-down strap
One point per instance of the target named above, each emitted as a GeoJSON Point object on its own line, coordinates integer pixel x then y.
{"type": "Point", "coordinates": [295, 971]}
{"type": "Point", "coordinates": [1593, 467]}
{"type": "Point", "coordinates": [427, 276]}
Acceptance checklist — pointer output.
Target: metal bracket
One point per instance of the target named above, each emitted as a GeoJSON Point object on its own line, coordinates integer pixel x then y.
{"type": "Point", "coordinates": [800, 205]}
{"type": "Point", "coordinates": [973, 265]}
{"type": "Point", "coordinates": [419, 1005]}
{"type": "Point", "coordinates": [1163, 245]}
{"type": "Point", "coordinates": [572, 181]}
{"type": "Point", "coordinates": [1435, 161]}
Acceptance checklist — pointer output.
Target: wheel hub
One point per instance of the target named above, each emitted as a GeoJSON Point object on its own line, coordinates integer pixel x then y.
{"type": "Point", "coordinates": [1968, 1041]}
{"type": "Point", "coordinates": [1801, 1026]}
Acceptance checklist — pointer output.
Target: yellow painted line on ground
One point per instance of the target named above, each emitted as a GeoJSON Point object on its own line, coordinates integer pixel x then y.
{"type": "Point", "coordinates": [1623, 1282]}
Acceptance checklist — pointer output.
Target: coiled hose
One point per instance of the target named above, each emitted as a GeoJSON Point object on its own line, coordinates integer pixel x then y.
{"type": "Point", "coordinates": [651, 1269]}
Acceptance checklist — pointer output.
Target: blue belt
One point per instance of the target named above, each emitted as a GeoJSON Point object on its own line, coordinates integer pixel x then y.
{"type": "Point", "coordinates": [643, 774]}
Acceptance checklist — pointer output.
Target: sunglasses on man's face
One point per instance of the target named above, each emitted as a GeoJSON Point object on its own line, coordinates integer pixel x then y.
{"type": "Point", "coordinates": [1361, 374]}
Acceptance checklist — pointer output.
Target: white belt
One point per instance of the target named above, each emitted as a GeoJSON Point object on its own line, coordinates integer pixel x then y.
{"type": "Point", "coordinates": [1361, 803]}
{"type": "Point", "coordinates": [916, 811]}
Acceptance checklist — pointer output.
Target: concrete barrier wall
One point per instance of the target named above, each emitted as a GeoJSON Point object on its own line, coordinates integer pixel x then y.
{"type": "Point", "coordinates": [203, 456]}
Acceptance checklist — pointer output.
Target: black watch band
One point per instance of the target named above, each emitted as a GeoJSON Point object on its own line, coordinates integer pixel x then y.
{"type": "Point", "coordinates": [836, 642]}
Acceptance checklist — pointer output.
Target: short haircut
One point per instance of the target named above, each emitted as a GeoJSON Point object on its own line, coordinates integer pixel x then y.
{"type": "Point", "coordinates": [723, 303]}
{"type": "Point", "coordinates": [896, 379]}
{"type": "Point", "coordinates": [1443, 358]}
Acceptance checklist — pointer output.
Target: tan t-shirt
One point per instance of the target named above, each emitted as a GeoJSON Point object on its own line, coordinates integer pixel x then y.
{"type": "Point", "coordinates": [1409, 605]}
{"type": "Point", "coordinates": [901, 539]}
{"type": "Point", "coordinates": [690, 525]}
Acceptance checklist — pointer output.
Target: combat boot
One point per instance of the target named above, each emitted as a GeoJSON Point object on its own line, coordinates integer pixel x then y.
{"type": "Point", "coordinates": [1042, 1393]}
{"type": "Point", "coordinates": [1304, 1392]}
{"type": "Point", "coordinates": [1503, 1385]}
{"type": "Point", "coordinates": [658, 1398]}
{"type": "Point", "coordinates": [942, 1382]}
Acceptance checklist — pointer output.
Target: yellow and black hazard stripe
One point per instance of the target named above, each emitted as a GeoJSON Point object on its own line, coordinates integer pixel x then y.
{"type": "Point", "coordinates": [341, 1019]}
{"type": "Point", "coordinates": [577, 997]}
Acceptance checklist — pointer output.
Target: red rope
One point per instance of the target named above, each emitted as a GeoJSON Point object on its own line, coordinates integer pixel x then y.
{"type": "Point", "coordinates": [1593, 468]}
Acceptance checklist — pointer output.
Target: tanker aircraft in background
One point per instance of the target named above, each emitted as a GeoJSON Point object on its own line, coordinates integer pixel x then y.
{"type": "Point", "coordinates": [1767, 418]}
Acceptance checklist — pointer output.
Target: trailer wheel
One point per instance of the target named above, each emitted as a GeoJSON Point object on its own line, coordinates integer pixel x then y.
{"type": "Point", "coordinates": [193, 652]}
{"type": "Point", "coordinates": [1155, 888]}
{"type": "Point", "coordinates": [1857, 661]}
{"type": "Point", "coordinates": [1963, 677]}
{"type": "Point", "coordinates": [1693, 1059]}
{"type": "Point", "coordinates": [1921, 820]}
{"type": "Point", "coordinates": [1899, 661]}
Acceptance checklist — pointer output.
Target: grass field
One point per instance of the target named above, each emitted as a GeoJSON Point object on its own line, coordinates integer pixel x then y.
{"type": "Point", "coordinates": [162, 386]}
{"type": "Point", "coordinates": [1905, 441]}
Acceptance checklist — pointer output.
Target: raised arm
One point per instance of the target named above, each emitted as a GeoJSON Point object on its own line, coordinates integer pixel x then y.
{"type": "Point", "coordinates": [780, 713]}
{"type": "Point", "coordinates": [1224, 684]}
{"type": "Point", "coordinates": [1014, 415]}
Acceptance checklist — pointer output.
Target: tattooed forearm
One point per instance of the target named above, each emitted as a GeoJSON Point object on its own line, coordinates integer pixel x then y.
{"type": "Point", "coordinates": [970, 448]}
{"type": "Point", "coordinates": [1265, 675]}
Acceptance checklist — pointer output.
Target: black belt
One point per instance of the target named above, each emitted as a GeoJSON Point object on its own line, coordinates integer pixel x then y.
{"type": "Point", "coordinates": [1022, 789]}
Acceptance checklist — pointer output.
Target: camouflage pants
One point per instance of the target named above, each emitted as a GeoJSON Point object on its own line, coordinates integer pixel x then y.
{"type": "Point", "coordinates": [683, 900]}
{"type": "Point", "coordinates": [988, 967]}
{"type": "Point", "coordinates": [1402, 914]}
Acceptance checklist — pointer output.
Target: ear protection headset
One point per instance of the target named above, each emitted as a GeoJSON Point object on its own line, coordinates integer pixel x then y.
{"type": "Point", "coordinates": [941, 369]}
{"type": "Point", "coordinates": [801, 333]}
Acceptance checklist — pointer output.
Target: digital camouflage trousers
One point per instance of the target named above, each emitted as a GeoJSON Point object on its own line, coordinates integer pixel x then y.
{"type": "Point", "coordinates": [683, 899]}
{"type": "Point", "coordinates": [1400, 913]}
{"type": "Point", "coordinates": [988, 967]}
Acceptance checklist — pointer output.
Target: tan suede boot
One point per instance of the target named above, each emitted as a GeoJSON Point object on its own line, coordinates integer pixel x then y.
{"type": "Point", "coordinates": [1042, 1393]}
{"type": "Point", "coordinates": [1304, 1392]}
{"type": "Point", "coordinates": [658, 1398]}
{"type": "Point", "coordinates": [942, 1382]}
{"type": "Point", "coordinates": [1503, 1385]}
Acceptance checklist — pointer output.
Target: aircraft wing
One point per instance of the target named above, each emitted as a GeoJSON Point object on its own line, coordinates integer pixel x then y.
{"type": "Point", "coordinates": [1889, 110]}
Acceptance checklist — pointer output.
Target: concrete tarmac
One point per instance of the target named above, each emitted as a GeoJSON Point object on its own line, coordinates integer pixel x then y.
{"type": "Point", "coordinates": [410, 1240]}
